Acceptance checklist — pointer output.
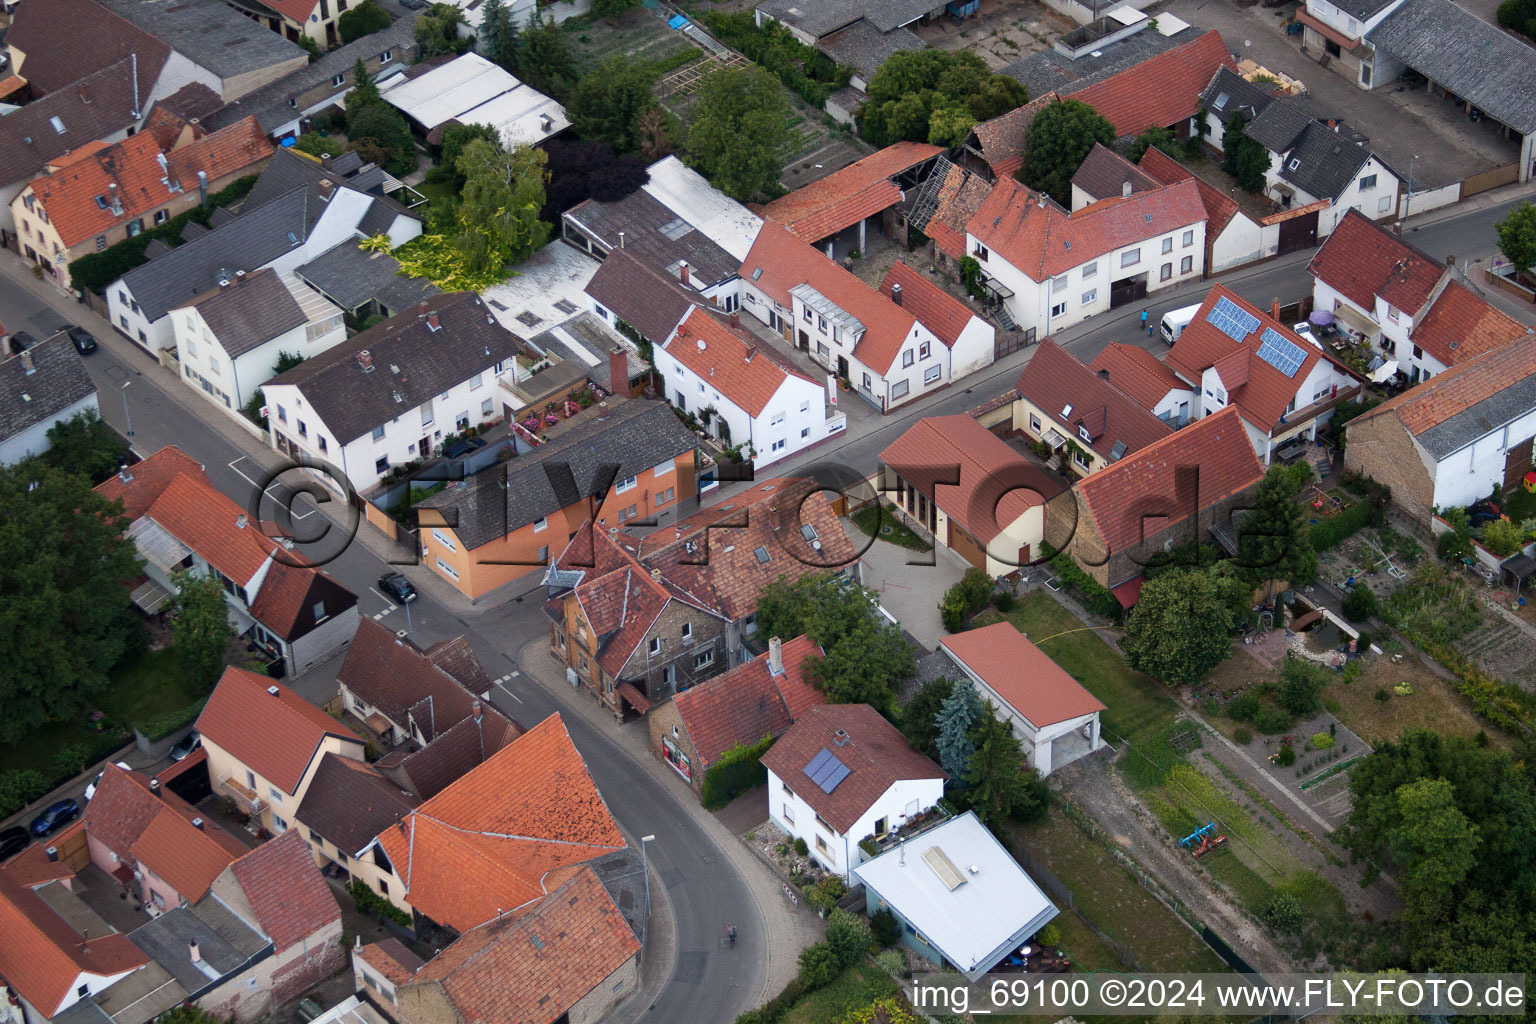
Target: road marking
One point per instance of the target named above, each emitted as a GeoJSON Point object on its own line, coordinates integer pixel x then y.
{"type": "Point", "coordinates": [514, 675]}
{"type": "Point", "coordinates": [268, 492]}
{"type": "Point", "coordinates": [503, 688]}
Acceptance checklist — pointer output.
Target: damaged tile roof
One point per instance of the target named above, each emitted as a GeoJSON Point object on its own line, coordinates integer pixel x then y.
{"type": "Point", "coordinates": [946, 203]}
{"type": "Point", "coordinates": [1061, 386]}
{"type": "Point", "coordinates": [1362, 259]}
{"type": "Point", "coordinates": [874, 751]}
{"type": "Point", "coordinates": [276, 734]}
{"type": "Point", "coordinates": [934, 308]}
{"type": "Point", "coordinates": [1001, 139]}
{"type": "Point", "coordinates": [748, 702]}
{"type": "Point", "coordinates": [845, 197]}
{"type": "Point", "coordinates": [744, 371]}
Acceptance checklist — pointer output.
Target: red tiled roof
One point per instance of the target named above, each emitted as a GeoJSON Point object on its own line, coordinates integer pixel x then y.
{"type": "Point", "coordinates": [1021, 674]}
{"type": "Point", "coordinates": [203, 519]}
{"type": "Point", "coordinates": [1001, 140]}
{"type": "Point", "coordinates": [533, 968]}
{"type": "Point", "coordinates": [1129, 592]}
{"type": "Point", "coordinates": [286, 891]}
{"type": "Point", "coordinates": [1041, 239]}
{"type": "Point", "coordinates": [1160, 91]}
{"type": "Point", "coordinates": [1165, 483]}
{"type": "Point", "coordinates": [297, 11]}
{"type": "Point", "coordinates": [874, 751]}
{"type": "Point", "coordinates": [1460, 325]}
{"type": "Point", "coordinates": [1138, 373]}
{"type": "Point", "coordinates": [392, 959]}
{"type": "Point", "coordinates": [286, 593]}
{"type": "Point", "coordinates": [1362, 259]}
{"type": "Point", "coordinates": [1264, 396]}
{"type": "Point", "coordinates": [42, 957]}
{"type": "Point", "coordinates": [78, 197]}
{"type": "Point", "coordinates": [1055, 380]}
{"type": "Point", "coordinates": [748, 702]}
{"type": "Point", "coordinates": [527, 810]}
{"type": "Point", "coordinates": [147, 479]}
{"type": "Point", "coordinates": [735, 365]}
{"type": "Point", "coordinates": [843, 198]}
{"type": "Point", "coordinates": [1461, 387]}
{"type": "Point", "coordinates": [277, 735]}
{"type": "Point", "coordinates": [182, 854]}
{"type": "Point", "coordinates": [1220, 208]}
{"type": "Point", "coordinates": [779, 261]}
{"type": "Point", "coordinates": [936, 309]}
{"type": "Point", "coordinates": [996, 484]}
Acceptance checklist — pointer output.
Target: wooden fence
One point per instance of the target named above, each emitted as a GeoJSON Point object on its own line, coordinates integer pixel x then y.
{"type": "Point", "coordinates": [1475, 183]}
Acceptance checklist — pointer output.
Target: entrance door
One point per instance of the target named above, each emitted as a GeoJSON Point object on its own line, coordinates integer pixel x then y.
{"type": "Point", "coordinates": [1517, 463]}
{"type": "Point", "coordinates": [842, 366]}
{"type": "Point", "coordinates": [1298, 233]}
{"type": "Point", "coordinates": [424, 447]}
{"type": "Point", "coordinates": [1132, 289]}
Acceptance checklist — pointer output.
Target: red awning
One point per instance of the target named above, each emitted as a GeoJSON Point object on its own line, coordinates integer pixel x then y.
{"type": "Point", "coordinates": [635, 697]}
{"type": "Point", "coordinates": [1128, 592]}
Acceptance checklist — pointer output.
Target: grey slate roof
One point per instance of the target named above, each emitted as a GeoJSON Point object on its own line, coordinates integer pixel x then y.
{"type": "Point", "coordinates": [289, 170]}
{"type": "Point", "coordinates": [1049, 71]}
{"type": "Point", "coordinates": [250, 312]}
{"type": "Point", "coordinates": [210, 33]}
{"type": "Point", "coordinates": [251, 240]}
{"type": "Point", "coordinates": [58, 381]}
{"type": "Point", "coordinates": [192, 100]}
{"type": "Point", "coordinates": [1281, 123]}
{"type": "Point", "coordinates": [411, 363]}
{"type": "Point", "coordinates": [638, 293]}
{"type": "Point", "coordinates": [637, 435]}
{"type": "Point", "coordinates": [1455, 48]}
{"type": "Point", "coordinates": [224, 942]}
{"type": "Point", "coordinates": [816, 17]}
{"type": "Point", "coordinates": [97, 106]}
{"type": "Point", "coordinates": [888, 15]}
{"type": "Point", "coordinates": [864, 46]}
{"type": "Point", "coordinates": [350, 277]}
{"type": "Point", "coordinates": [1456, 432]}
{"type": "Point", "coordinates": [1323, 162]}
{"type": "Point", "coordinates": [1230, 93]}
{"type": "Point", "coordinates": [271, 104]}
{"type": "Point", "coordinates": [641, 216]}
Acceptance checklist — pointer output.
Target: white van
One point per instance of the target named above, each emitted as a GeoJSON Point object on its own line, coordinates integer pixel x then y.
{"type": "Point", "coordinates": [1176, 320]}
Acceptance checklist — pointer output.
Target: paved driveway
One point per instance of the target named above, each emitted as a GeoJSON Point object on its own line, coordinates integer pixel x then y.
{"type": "Point", "coordinates": [909, 592]}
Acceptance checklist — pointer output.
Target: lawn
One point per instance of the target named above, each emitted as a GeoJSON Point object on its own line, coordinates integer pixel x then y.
{"type": "Point", "coordinates": [1431, 705]}
{"type": "Point", "coordinates": [882, 524]}
{"type": "Point", "coordinates": [858, 986]}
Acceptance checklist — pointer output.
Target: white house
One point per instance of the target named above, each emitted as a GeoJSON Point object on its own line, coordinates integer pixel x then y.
{"type": "Point", "coordinates": [842, 774]}
{"type": "Point", "coordinates": [1232, 236]}
{"type": "Point", "coordinates": [960, 898]}
{"type": "Point", "coordinates": [883, 350]}
{"type": "Point", "coordinates": [1452, 440]}
{"type": "Point", "coordinates": [1325, 163]}
{"type": "Point", "coordinates": [228, 340]}
{"type": "Point", "coordinates": [1053, 269]}
{"type": "Point", "coordinates": [1339, 30]}
{"type": "Point", "coordinates": [757, 400]}
{"type": "Point", "coordinates": [1054, 718]}
{"type": "Point", "coordinates": [1282, 384]}
{"type": "Point", "coordinates": [969, 341]}
{"type": "Point", "coordinates": [45, 385]}
{"type": "Point", "coordinates": [1420, 313]}
{"type": "Point", "coordinates": [390, 394]}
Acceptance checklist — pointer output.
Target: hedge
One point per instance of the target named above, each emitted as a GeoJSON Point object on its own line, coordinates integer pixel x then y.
{"type": "Point", "coordinates": [370, 902]}
{"type": "Point", "coordinates": [96, 271]}
{"type": "Point", "coordinates": [1095, 597]}
{"type": "Point", "coordinates": [738, 770]}
{"type": "Point", "coordinates": [160, 728]}
{"type": "Point", "coordinates": [1370, 511]}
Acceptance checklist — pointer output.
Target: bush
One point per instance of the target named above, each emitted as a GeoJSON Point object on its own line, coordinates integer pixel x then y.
{"type": "Point", "coordinates": [1382, 695]}
{"type": "Point", "coordinates": [819, 966]}
{"type": "Point", "coordinates": [1353, 670]}
{"type": "Point", "coordinates": [891, 962]}
{"type": "Point", "coordinates": [1453, 547]}
{"type": "Point", "coordinates": [1360, 603]}
{"type": "Point", "coordinates": [952, 609]}
{"type": "Point", "coordinates": [774, 1009]}
{"type": "Point", "coordinates": [1301, 686]}
{"type": "Point", "coordinates": [19, 787]}
{"type": "Point", "coordinates": [1049, 937]}
{"type": "Point", "coordinates": [1271, 719]}
{"type": "Point", "coordinates": [1243, 708]}
{"type": "Point", "coordinates": [800, 848]}
{"type": "Point", "coordinates": [159, 728]}
{"type": "Point", "coordinates": [884, 928]}
{"type": "Point", "coordinates": [867, 844]}
{"type": "Point", "coordinates": [362, 20]}
{"type": "Point", "coordinates": [848, 936]}
{"type": "Point", "coordinates": [825, 893]}
{"type": "Point", "coordinates": [738, 770]}
{"type": "Point", "coordinates": [1503, 537]}
{"type": "Point", "coordinates": [370, 902]}
{"type": "Point", "coordinates": [1281, 912]}
{"type": "Point", "coordinates": [1322, 741]}
{"type": "Point", "coordinates": [1003, 601]}
{"type": "Point", "coordinates": [1242, 736]}
{"type": "Point", "coordinates": [1286, 757]}
{"type": "Point", "coordinates": [1095, 597]}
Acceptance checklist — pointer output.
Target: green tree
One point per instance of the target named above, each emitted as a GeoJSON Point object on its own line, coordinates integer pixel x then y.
{"type": "Point", "coordinates": [1161, 138]}
{"type": "Point", "coordinates": [996, 777]}
{"type": "Point", "coordinates": [848, 936]}
{"type": "Point", "coordinates": [546, 61]}
{"type": "Point", "coordinates": [1435, 846]}
{"type": "Point", "coordinates": [948, 126]}
{"type": "Point", "coordinates": [380, 135]}
{"type": "Point", "coordinates": [740, 131]}
{"type": "Point", "coordinates": [65, 620]}
{"type": "Point", "coordinates": [455, 138]}
{"type": "Point", "coordinates": [612, 8]}
{"type": "Point", "coordinates": [437, 32]}
{"type": "Point", "coordinates": [1517, 236]}
{"type": "Point", "coordinates": [1058, 141]}
{"type": "Point", "coordinates": [819, 966]}
{"type": "Point", "coordinates": [365, 91]}
{"type": "Point", "coordinates": [1301, 686]}
{"type": "Point", "coordinates": [85, 444]}
{"type": "Point", "coordinates": [821, 607]}
{"type": "Point", "coordinates": [915, 87]}
{"type": "Point", "coordinates": [919, 716]}
{"type": "Point", "coordinates": [1244, 158]}
{"type": "Point", "coordinates": [1359, 604]}
{"type": "Point", "coordinates": [607, 103]}
{"type": "Point", "coordinates": [200, 625]}
{"type": "Point", "coordinates": [954, 724]}
{"type": "Point", "coordinates": [864, 666]}
{"type": "Point", "coordinates": [364, 19]}
{"type": "Point", "coordinates": [499, 205]}
{"type": "Point", "coordinates": [1181, 627]}
{"type": "Point", "coordinates": [499, 35]}
{"type": "Point", "coordinates": [311, 47]}
{"type": "Point", "coordinates": [1272, 539]}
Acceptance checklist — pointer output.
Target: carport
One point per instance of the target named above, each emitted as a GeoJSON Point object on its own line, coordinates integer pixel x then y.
{"type": "Point", "coordinates": [1466, 58]}
{"type": "Point", "coordinates": [1516, 570]}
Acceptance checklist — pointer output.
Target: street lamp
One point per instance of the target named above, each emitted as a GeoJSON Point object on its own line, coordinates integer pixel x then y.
{"type": "Point", "coordinates": [646, 860]}
{"type": "Point", "coordinates": [127, 419]}
{"type": "Point", "coordinates": [1409, 197]}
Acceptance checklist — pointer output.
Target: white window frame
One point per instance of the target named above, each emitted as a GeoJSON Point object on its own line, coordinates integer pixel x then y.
{"type": "Point", "coordinates": [446, 569]}
{"type": "Point", "coordinates": [445, 540]}
{"type": "Point", "coordinates": [626, 484]}
{"type": "Point", "coordinates": [933, 373]}
{"type": "Point", "coordinates": [1130, 257]}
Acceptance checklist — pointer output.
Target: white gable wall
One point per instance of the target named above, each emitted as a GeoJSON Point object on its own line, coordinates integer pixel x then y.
{"type": "Point", "coordinates": [839, 852]}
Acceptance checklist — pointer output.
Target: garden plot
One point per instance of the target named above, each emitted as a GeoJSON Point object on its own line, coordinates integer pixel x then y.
{"type": "Point", "coordinates": [637, 34]}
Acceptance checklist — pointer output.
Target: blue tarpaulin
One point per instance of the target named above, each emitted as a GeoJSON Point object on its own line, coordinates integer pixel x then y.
{"type": "Point", "coordinates": [676, 21]}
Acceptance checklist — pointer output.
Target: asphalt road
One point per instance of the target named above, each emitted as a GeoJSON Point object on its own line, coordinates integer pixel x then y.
{"type": "Point", "coordinates": [704, 888]}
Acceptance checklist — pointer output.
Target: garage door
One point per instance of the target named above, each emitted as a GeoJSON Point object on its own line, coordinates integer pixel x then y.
{"type": "Point", "coordinates": [1517, 463]}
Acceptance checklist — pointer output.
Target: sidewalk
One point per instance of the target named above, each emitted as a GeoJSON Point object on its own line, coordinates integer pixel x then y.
{"type": "Point", "coordinates": [791, 929]}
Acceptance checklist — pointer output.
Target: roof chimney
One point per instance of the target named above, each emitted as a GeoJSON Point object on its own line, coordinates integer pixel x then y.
{"type": "Point", "coordinates": [896, 294]}
{"type": "Point", "coordinates": [776, 656]}
{"type": "Point", "coordinates": [53, 853]}
{"type": "Point", "coordinates": [840, 737]}
{"type": "Point", "coordinates": [433, 323]}
{"type": "Point", "coordinates": [682, 271]}
{"type": "Point", "coordinates": [197, 823]}
{"type": "Point", "coordinates": [476, 706]}
{"type": "Point", "coordinates": [1274, 308]}
{"type": "Point", "coordinates": [26, 364]}
{"type": "Point", "coordinates": [1450, 260]}
{"type": "Point", "coordinates": [1125, 188]}
{"type": "Point", "coordinates": [735, 319]}
{"type": "Point", "coordinates": [154, 786]}
{"type": "Point", "coordinates": [1104, 374]}
{"type": "Point", "coordinates": [751, 351]}
{"type": "Point", "coordinates": [618, 372]}
{"type": "Point", "coordinates": [239, 276]}
{"type": "Point", "coordinates": [274, 691]}
{"type": "Point", "coordinates": [241, 522]}
{"type": "Point", "coordinates": [195, 953]}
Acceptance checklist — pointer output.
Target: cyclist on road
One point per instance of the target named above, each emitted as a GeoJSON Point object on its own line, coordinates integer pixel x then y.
{"type": "Point", "coordinates": [730, 933]}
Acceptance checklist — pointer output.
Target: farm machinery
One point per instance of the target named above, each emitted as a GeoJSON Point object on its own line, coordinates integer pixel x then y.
{"type": "Point", "coordinates": [1203, 840]}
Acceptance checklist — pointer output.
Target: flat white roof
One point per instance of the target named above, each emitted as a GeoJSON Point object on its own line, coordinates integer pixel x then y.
{"type": "Point", "coordinates": [995, 905]}
{"type": "Point", "coordinates": [549, 289]}
{"type": "Point", "coordinates": [472, 90]}
{"type": "Point", "coordinates": [716, 215]}
{"type": "Point", "coordinates": [1169, 25]}
{"type": "Point", "coordinates": [1129, 15]}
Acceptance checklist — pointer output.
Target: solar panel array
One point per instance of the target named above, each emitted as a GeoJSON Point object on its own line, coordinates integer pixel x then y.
{"type": "Point", "coordinates": [1231, 319]}
{"type": "Point", "coordinates": [826, 770]}
{"type": "Point", "coordinates": [1281, 352]}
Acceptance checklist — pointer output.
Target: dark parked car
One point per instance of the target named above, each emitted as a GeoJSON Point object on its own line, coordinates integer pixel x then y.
{"type": "Point", "coordinates": [13, 841]}
{"type": "Point", "coordinates": [188, 743]}
{"type": "Point", "coordinates": [80, 338]}
{"type": "Point", "coordinates": [61, 813]}
{"type": "Point", "coordinates": [462, 447]}
{"type": "Point", "coordinates": [21, 341]}
{"type": "Point", "coordinates": [398, 587]}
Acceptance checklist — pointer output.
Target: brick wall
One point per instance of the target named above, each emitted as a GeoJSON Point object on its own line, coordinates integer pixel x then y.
{"type": "Point", "coordinates": [1380, 448]}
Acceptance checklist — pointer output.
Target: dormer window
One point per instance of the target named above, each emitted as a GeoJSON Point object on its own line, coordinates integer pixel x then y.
{"type": "Point", "coordinates": [1066, 410]}
{"type": "Point", "coordinates": [1082, 432]}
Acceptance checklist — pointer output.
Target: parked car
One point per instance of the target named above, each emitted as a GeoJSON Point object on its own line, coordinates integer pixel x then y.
{"type": "Point", "coordinates": [55, 814]}
{"type": "Point", "coordinates": [188, 743]}
{"type": "Point", "coordinates": [462, 447]}
{"type": "Point", "coordinates": [81, 338]}
{"type": "Point", "coordinates": [397, 586]}
{"type": "Point", "coordinates": [12, 841]}
{"type": "Point", "coordinates": [90, 790]}
{"type": "Point", "coordinates": [21, 341]}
